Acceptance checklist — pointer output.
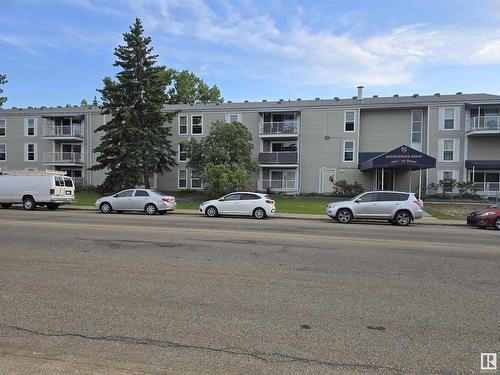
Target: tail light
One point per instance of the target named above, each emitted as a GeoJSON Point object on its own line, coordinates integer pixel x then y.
{"type": "Point", "coordinates": [52, 191]}
{"type": "Point", "coordinates": [168, 199]}
{"type": "Point", "coordinates": [269, 201]}
{"type": "Point", "coordinates": [418, 202]}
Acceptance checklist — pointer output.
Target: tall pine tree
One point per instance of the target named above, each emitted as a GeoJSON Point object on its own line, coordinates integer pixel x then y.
{"type": "Point", "coordinates": [135, 142]}
{"type": "Point", "coordinates": [3, 80]}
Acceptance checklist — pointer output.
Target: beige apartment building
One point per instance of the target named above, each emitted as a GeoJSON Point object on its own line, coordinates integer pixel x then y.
{"type": "Point", "coordinates": [301, 146]}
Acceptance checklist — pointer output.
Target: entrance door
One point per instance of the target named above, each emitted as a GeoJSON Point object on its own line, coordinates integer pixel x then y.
{"type": "Point", "coordinates": [328, 178]}
{"type": "Point", "coordinates": [283, 180]}
{"type": "Point", "coordinates": [388, 179]}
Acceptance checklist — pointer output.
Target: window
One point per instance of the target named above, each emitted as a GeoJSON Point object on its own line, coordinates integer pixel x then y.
{"type": "Point", "coordinates": [448, 148]}
{"type": "Point", "coordinates": [3, 127]}
{"type": "Point", "coordinates": [183, 125]}
{"type": "Point", "coordinates": [233, 117]}
{"type": "Point", "coordinates": [3, 152]}
{"type": "Point", "coordinates": [232, 197]}
{"type": "Point", "coordinates": [369, 197]}
{"type": "Point", "coordinates": [290, 146]}
{"type": "Point", "coordinates": [247, 197]}
{"type": "Point", "coordinates": [30, 129]}
{"type": "Point", "coordinates": [182, 179]}
{"type": "Point", "coordinates": [31, 170]}
{"type": "Point", "coordinates": [30, 152]}
{"type": "Point", "coordinates": [124, 194]}
{"type": "Point", "coordinates": [181, 154]}
{"type": "Point", "coordinates": [349, 151]}
{"type": "Point", "coordinates": [416, 130]}
{"type": "Point", "coordinates": [349, 120]}
{"type": "Point", "coordinates": [141, 193]}
{"type": "Point", "coordinates": [448, 175]}
{"type": "Point", "coordinates": [195, 182]}
{"type": "Point", "coordinates": [68, 182]}
{"type": "Point", "coordinates": [449, 119]}
{"type": "Point", "coordinates": [392, 197]}
{"type": "Point", "coordinates": [196, 124]}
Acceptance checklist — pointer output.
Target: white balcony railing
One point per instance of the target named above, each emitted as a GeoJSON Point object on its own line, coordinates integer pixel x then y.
{"type": "Point", "coordinates": [484, 123]}
{"type": "Point", "coordinates": [278, 185]}
{"type": "Point", "coordinates": [285, 157]}
{"type": "Point", "coordinates": [63, 158]}
{"type": "Point", "coordinates": [487, 186]}
{"type": "Point", "coordinates": [289, 127]}
{"type": "Point", "coordinates": [61, 131]}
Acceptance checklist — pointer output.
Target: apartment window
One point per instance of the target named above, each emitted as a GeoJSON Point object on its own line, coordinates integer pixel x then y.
{"type": "Point", "coordinates": [196, 124]}
{"type": "Point", "coordinates": [182, 154]}
{"type": "Point", "coordinates": [182, 179]}
{"type": "Point", "coordinates": [195, 182]}
{"type": "Point", "coordinates": [30, 127]}
{"type": "Point", "coordinates": [348, 150]}
{"type": "Point", "coordinates": [449, 119]}
{"type": "Point", "coordinates": [416, 129]}
{"type": "Point", "coordinates": [233, 117]}
{"type": "Point", "coordinates": [31, 170]}
{"type": "Point", "coordinates": [183, 125]}
{"type": "Point", "coordinates": [448, 175]}
{"type": "Point", "coordinates": [3, 127]}
{"type": "Point", "coordinates": [448, 149]}
{"type": "Point", "coordinates": [349, 121]}
{"type": "Point", "coordinates": [30, 152]}
{"type": "Point", "coordinates": [3, 152]}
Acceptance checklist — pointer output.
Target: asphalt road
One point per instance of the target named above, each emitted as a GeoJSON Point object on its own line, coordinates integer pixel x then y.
{"type": "Point", "coordinates": [82, 292]}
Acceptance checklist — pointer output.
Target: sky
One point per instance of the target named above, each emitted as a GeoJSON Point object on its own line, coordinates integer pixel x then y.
{"type": "Point", "coordinates": [56, 52]}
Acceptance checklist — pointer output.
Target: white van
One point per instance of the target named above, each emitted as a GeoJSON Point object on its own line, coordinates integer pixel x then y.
{"type": "Point", "coordinates": [36, 190]}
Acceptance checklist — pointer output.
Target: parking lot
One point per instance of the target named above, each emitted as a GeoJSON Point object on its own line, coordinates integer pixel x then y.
{"type": "Point", "coordinates": [117, 293]}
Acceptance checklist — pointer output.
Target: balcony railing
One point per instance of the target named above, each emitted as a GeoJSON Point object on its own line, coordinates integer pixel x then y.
{"type": "Point", "coordinates": [487, 186]}
{"type": "Point", "coordinates": [484, 123]}
{"type": "Point", "coordinates": [278, 185]}
{"type": "Point", "coordinates": [62, 131]}
{"type": "Point", "coordinates": [62, 158]}
{"type": "Point", "coordinates": [289, 127]}
{"type": "Point", "coordinates": [284, 157]}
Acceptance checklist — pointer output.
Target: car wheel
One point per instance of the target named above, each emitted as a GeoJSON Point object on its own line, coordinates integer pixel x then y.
{"type": "Point", "coordinates": [29, 203]}
{"type": "Point", "coordinates": [6, 205]}
{"type": "Point", "coordinates": [259, 213]}
{"type": "Point", "coordinates": [52, 206]}
{"type": "Point", "coordinates": [497, 223]}
{"type": "Point", "coordinates": [402, 218]}
{"type": "Point", "coordinates": [211, 211]}
{"type": "Point", "coordinates": [105, 208]}
{"type": "Point", "coordinates": [150, 209]}
{"type": "Point", "coordinates": [344, 216]}
{"type": "Point", "coordinates": [163, 212]}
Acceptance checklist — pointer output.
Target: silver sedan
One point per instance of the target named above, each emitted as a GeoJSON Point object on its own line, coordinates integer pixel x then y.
{"type": "Point", "coordinates": [146, 200]}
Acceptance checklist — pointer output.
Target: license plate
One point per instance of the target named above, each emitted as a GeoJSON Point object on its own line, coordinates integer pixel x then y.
{"type": "Point", "coordinates": [68, 192]}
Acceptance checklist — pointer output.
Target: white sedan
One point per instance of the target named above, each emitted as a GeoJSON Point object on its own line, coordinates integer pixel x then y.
{"type": "Point", "coordinates": [240, 203]}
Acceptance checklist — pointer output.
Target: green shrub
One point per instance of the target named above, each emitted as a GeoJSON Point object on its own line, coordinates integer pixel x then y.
{"type": "Point", "coordinates": [345, 189]}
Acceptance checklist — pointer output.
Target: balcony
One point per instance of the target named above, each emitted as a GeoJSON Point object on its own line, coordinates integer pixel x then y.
{"type": "Point", "coordinates": [289, 128]}
{"type": "Point", "coordinates": [483, 125]}
{"type": "Point", "coordinates": [278, 185]}
{"type": "Point", "coordinates": [63, 158]}
{"type": "Point", "coordinates": [284, 157]}
{"type": "Point", "coordinates": [491, 188]}
{"type": "Point", "coordinates": [63, 132]}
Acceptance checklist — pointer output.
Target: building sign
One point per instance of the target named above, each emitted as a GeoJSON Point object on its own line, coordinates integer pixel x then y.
{"type": "Point", "coordinates": [402, 156]}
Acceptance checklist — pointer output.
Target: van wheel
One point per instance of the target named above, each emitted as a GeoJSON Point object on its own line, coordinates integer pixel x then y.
{"type": "Point", "coordinates": [105, 208]}
{"type": "Point", "coordinates": [29, 203]}
{"type": "Point", "coordinates": [402, 218]}
{"type": "Point", "coordinates": [211, 211]}
{"type": "Point", "coordinates": [259, 213]}
{"type": "Point", "coordinates": [6, 205]}
{"type": "Point", "coordinates": [150, 209]}
{"type": "Point", "coordinates": [52, 206]}
{"type": "Point", "coordinates": [344, 216]}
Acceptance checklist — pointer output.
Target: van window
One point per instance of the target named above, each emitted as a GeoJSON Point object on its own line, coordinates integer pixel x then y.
{"type": "Point", "coordinates": [58, 181]}
{"type": "Point", "coordinates": [68, 182]}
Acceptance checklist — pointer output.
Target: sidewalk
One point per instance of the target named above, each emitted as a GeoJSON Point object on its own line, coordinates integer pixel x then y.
{"type": "Point", "coordinates": [426, 220]}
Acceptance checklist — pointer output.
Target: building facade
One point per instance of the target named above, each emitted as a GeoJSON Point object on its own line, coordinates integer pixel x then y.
{"type": "Point", "coordinates": [301, 146]}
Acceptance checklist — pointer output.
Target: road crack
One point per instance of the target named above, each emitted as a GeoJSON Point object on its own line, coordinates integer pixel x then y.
{"type": "Point", "coordinates": [273, 357]}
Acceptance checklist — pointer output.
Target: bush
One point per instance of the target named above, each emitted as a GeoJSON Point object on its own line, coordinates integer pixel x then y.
{"type": "Point", "coordinates": [343, 188]}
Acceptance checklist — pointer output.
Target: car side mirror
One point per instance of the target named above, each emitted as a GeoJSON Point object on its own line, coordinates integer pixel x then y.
{"type": "Point", "coordinates": [221, 199]}
{"type": "Point", "coordinates": [115, 196]}
{"type": "Point", "coordinates": [357, 201]}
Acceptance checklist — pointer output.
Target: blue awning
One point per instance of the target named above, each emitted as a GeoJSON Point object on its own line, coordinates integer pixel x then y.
{"type": "Point", "coordinates": [482, 164]}
{"type": "Point", "coordinates": [401, 157]}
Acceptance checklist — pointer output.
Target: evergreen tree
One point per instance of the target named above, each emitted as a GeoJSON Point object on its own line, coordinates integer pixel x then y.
{"type": "Point", "coordinates": [94, 102]}
{"type": "Point", "coordinates": [84, 103]}
{"type": "Point", "coordinates": [135, 143]}
{"type": "Point", "coordinates": [3, 80]}
{"type": "Point", "coordinates": [188, 88]}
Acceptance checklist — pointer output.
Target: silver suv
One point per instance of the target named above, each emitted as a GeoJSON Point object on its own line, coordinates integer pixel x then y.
{"type": "Point", "coordinates": [397, 207]}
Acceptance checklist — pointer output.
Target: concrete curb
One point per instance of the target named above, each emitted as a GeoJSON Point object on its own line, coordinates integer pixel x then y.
{"type": "Point", "coordinates": [424, 221]}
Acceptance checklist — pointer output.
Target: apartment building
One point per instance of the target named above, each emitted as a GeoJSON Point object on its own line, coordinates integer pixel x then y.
{"type": "Point", "coordinates": [301, 146]}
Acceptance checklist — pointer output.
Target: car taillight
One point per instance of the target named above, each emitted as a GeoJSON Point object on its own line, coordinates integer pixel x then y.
{"type": "Point", "coordinates": [167, 199]}
{"type": "Point", "coordinates": [52, 191]}
{"type": "Point", "coordinates": [418, 202]}
{"type": "Point", "coordinates": [269, 201]}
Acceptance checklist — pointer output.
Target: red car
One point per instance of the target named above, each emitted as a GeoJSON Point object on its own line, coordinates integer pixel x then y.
{"type": "Point", "coordinates": [486, 217]}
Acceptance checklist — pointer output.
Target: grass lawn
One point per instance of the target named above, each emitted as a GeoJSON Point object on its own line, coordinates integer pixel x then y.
{"type": "Point", "coordinates": [451, 211]}
{"type": "Point", "coordinates": [192, 202]}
